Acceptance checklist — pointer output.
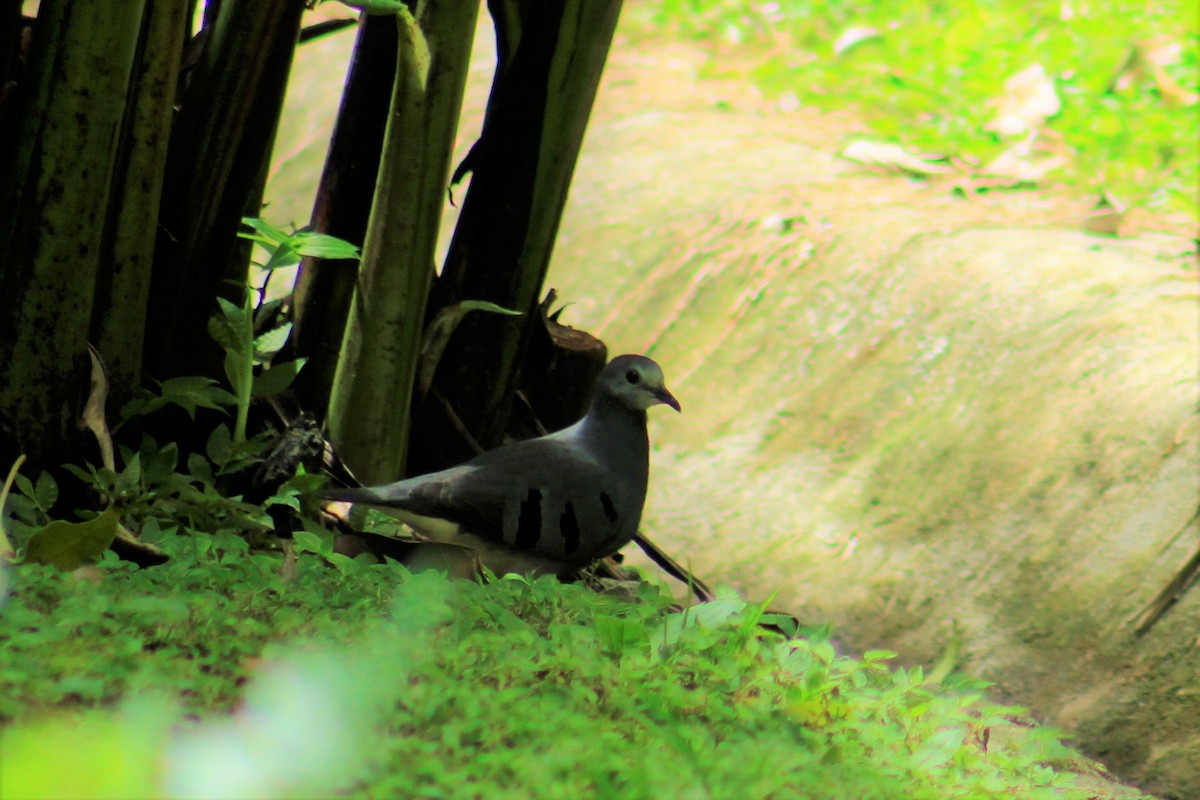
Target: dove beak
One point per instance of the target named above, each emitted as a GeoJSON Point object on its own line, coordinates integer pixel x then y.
{"type": "Point", "coordinates": [667, 398]}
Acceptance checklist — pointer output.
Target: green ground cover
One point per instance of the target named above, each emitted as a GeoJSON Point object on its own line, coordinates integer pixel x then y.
{"type": "Point", "coordinates": [365, 681]}
{"type": "Point", "coordinates": [929, 75]}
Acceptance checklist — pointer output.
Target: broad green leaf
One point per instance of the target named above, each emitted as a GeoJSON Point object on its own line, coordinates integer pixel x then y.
{"type": "Point", "coordinates": [233, 330]}
{"type": "Point", "coordinates": [231, 313]}
{"type": "Point", "coordinates": [265, 311]}
{"type": "Point", "coordinates": [70, 545]}
{"type": "Point", "coordinates": [220, 442]}
{"type": "Point", "coordinates": [344, 564]}
{"type": "Point", "coordinates": [322, 245]}
{"type": "Point", "coordinates": [267, 231]}
{"type": "Point", "coordinates": [312, 543]}
{"type": "Point", "coordinates": [86, 475]}
{"type": "Point", "coordinates": [284, 255]}
{"type": "Point", "coordinates": [45, 491]}
{"type": "Point", "coordinates": [24, 486]}
{"type": "Point", "coordinates": [271, 342]}
{"type": "Point", "coordinates": [189, 393]}
{"type": "Point", "coordinates": [159, 463]}
{"type": "Point", "coordinates": [131, 476]}
{"type": "Point", "coordinates": [301, 483]}
{"type": "Point", "coordinates": [277, 378]}
{"type": "Point", "coordinates": [199, 467]}
{"type": "Point", "coordinates": [236, 372]}
{"type": "Point", "coordinates": [224, 333]}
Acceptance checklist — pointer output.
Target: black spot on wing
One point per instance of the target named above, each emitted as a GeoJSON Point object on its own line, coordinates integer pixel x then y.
{"type": "Point", "coordinates": [610, 510]}
{"type": "Point", "coordinates": [529, 521]}
{"type": "Point", "coordinates": [568, 526]}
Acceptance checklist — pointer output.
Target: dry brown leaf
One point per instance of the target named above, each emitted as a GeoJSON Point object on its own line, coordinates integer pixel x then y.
{"type": "Point", "coordinates": [1022, 163]}
{"type": "Point", "coordinates": [854, 36]}
{"type": "Point", "coordinates": [1030, 98]}
{"type": "Point", "coordinates": [891, 157]}
{"type": "Point", "coordinates": [93, 417]}
{"type": "Point", "coordinates": [1105, 219]}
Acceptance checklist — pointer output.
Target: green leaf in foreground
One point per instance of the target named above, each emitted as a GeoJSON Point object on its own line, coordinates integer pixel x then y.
{"type": "Point", "coordinates": [276, 378]}
{"type": "Point", "coordinates": [286, 249]}
{"type": "Point", "coordinates": [368, 681]}
{"type": "Point", "coordinates": [70, 545]}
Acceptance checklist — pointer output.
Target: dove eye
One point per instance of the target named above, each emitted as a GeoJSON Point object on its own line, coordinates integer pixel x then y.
{"type": "Point", "coordinates": [632, 376]}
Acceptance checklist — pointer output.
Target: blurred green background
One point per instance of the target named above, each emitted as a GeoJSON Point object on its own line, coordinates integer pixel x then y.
{"type": "Point", "coordinates": [927, 75]}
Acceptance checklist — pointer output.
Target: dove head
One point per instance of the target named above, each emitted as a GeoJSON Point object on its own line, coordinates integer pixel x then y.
{"type": "Point", "coordinates": [635, 382]}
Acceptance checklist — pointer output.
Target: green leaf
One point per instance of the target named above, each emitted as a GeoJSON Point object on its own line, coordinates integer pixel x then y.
{"type": "Point", "coordinates": [301, 483]}
{"type": "Point", "coordinates": [231, 313]}
{"type": "Point", "coordinates": [312, 543]}
{"type": "Point", "coordinates": [189, 393]}
{"type": "Point", "coordinates": [284, 255]}
{"type": "Point", "coordinates": [86, 475]}
{"type": "Point", "coordinates": [131, 477]}
{"type": "Point", "coordinates": [25, 486]}
{"type": "Point", "coordinates": [277, 378]}
{"type": "Point", "coordinates": [200, 468]}
{"type": "Point", "coordinates": [232, 328]}
{"type": "Point", "coordinates": [219, 446]}
{"type": "Point", "coordinates": [159, 463]}
{"type": "Point", "coordinates": [45, 491]}
{"type": "Point", "coordinates": [265, 311]}
{"type": "Point", "coordinates": [273, 234]}
{"type": "Point", "coordinates": [235, 372]}
{"type": "Point", "coordinates": [620, 635]}
{"type": "Point", "coordinates": [70, 545]}
{"type": "Point", "coordinates": [224, 333]}
{"type": "Point", "coordinates": [345, 565]}
{"type": "Point", "coordinates": [271, 342]}
{"type": "Point", "coordinates": [286, 249]}
{"type": "Point", "coordinates": [322, 245]}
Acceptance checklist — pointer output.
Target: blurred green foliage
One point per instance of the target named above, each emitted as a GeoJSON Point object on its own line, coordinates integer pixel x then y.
{"type": "Point", "coordinates": [926, 79]}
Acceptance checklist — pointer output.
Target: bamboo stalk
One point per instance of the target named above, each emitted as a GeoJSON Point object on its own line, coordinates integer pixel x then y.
{"type": "Point", "coordinates": [369, 406]}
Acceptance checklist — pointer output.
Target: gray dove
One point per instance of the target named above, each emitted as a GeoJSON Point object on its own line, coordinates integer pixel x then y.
{"type": "Point", "coordinates": [553, 504]}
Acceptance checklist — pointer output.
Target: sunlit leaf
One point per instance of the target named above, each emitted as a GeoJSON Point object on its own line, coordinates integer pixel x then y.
{"type": "Point", "coordinates": [322, 245]}
{"type": "Point", "coordinates": [285, 255]}
{"type": "Point", "coordinates": [271, 342]}
{"type": "Point", "coordinates": [266, 231]}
